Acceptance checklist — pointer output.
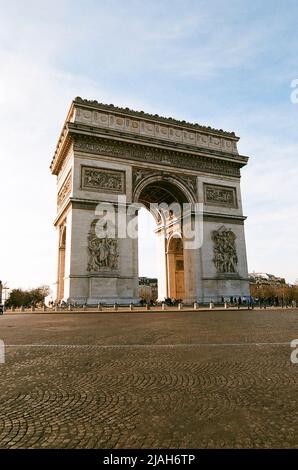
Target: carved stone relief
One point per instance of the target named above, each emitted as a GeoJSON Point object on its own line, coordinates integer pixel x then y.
{"type": "Point", "coordinates": [103, 252]}
{"type": "Point", "coordinates": [65, 190]}
{"type": "Point", "coordinates": [101, 179]}
{"type": "Point", "coordinates": [140, 174]}
{"type": "Point", "coordinates": [224, 250]}
{"type": "Point", "coordinates": [220, 195]}
{"type": "Point", "coordinates": [190, 182]}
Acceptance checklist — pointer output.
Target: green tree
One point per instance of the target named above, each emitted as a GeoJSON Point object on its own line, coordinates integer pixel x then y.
{"type": "Point", "coordinates": [27, 298]}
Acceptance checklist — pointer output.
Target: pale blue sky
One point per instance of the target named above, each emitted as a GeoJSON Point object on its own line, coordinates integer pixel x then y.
{"type": "Point", "coordinates": [228, 64]}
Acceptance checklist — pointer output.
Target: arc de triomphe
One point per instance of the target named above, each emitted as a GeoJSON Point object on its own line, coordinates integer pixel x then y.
{"type": "Point", "coordinates": [106, 155]}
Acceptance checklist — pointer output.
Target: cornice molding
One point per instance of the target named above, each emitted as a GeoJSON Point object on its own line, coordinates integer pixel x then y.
{"type": "Point", "coordinates": [97, 119]}
{"type": "Point", "coordinates": [224, 218]}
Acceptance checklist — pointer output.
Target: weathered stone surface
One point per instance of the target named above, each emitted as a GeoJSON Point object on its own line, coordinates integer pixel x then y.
{"type": "Point", "coordinates": [105, 153]}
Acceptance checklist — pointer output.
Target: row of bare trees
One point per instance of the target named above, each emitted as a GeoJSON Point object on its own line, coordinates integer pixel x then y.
{"type": "Point", "coordinates": [275, 293]}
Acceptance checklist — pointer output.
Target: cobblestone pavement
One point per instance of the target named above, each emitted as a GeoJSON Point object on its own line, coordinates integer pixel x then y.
{"type": "Point", "coordinates": [200, 379]}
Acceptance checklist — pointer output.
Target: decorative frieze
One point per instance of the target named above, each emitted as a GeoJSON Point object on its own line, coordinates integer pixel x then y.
{"type": "Point", "coordinates": [224, 250]}
{"type": "Point", "coordinates": [127, 151]}
{"type": "Point", "coordinates": [102, 179]}
{"type": "Point", "coordinates": [155, 117]}
{"type": "Point", "coordinates": [128, 121]}
{"type": "Point", "coordinates": [65, 189]}
{"type": "Point", "coordinates": [220, 195]}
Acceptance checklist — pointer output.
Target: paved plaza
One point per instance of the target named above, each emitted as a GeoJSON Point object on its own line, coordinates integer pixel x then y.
{"type": "Point", "coordinates": [153, 379]}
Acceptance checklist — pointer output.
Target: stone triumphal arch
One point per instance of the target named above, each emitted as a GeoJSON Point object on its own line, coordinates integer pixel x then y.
{"type": "Point", "coordinates": [111, 160]}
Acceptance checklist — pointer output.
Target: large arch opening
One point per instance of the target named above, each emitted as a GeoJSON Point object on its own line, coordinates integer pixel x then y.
{"type": "Point", "coordinates": [158, 192]}
{"type": "Point", "coordinates": [147, 256]}
{"type": "Point", "coordinates": [161, 254]}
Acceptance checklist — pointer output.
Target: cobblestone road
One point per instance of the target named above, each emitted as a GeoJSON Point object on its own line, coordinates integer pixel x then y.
{"type": "Point", "coordinates": [201, 379]}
